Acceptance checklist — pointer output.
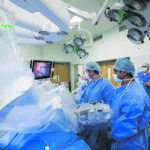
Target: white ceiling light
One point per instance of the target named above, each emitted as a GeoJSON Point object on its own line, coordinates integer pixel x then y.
{"type": "Point", "coordinates": [75, 19]}
{"type": "Point", "coordinates": [86, 15]}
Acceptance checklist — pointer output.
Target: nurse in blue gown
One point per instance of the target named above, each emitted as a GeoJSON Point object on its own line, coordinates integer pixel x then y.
{"type": "Point", "coordinates": [131, 110]}
{"type": "Point", "coordinates": [144, 77]}
{"type": "Point", "coordinates": [98, 89]}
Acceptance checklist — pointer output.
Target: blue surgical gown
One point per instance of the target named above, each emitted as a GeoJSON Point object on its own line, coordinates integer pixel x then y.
{"type": "Point", "coordinates": [131, 114]}
{"type": "Point", "coordinates": [145, 78]}
{"type": "Point", "coordinates": [100, 90]}
{"type": "Point", "coordinates": [95, 136]}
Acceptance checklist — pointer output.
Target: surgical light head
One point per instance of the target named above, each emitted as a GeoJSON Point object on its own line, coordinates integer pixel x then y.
{"type": "Point", "coordinates": [78, 41]}
{"type": "Point", "coordinates": [81, 53]}
{"type": "Point", "coordinates": [135, 35]}
{"type": "Point", "coordinates": [138, 5]}
{"type": "Point", "coordinates": [68, 48]}
{"type": "Point", "coordinates": [124, 64]}
{"type": "Point", "coordinates": [134, 14]}
{"type": "Point", "coordinates": [76, 46]}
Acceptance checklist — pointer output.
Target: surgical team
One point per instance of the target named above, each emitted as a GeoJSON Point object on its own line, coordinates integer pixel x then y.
{"type": "Point", "coordinates": [130, 104]}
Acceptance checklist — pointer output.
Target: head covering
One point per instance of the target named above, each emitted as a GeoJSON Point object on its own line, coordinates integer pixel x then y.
{"type": "Point", "coordinates": [146, 64]}
{"type": "Point", "coordinates": [124, 64]}
{"type": "Point", "coordinates": [92, 66]}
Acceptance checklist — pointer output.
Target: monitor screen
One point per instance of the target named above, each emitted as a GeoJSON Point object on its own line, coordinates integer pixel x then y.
{"type": "Point", "coordinates": [41, 69]}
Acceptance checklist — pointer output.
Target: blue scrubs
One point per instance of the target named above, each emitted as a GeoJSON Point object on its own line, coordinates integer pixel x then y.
{"type": "Point", "coordinates": [95, 135]}
{"type": "Point", "coordinates": [100, 90]}
{"type": "Point", "coordinates": [131, 114]}
{"type": "Point", "coordinates": [145, 78]}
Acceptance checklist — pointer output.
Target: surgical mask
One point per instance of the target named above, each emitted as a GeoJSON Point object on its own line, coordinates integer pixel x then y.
{"type": "Point", "coordinates": [144, 69]}
{"type": "Point", "coordinates": [86, 75]}
{"type": "Point", "coordinates": [84, 82]}
{"type": "Point", "coordinates": [116, 78]}
{"type": "Point", "coordinates": [95, 76]}
{"type": "Point", "coordinates": [120, 80]}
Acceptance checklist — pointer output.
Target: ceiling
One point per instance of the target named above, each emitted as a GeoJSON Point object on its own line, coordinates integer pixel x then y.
{"type": "Point", "coordinates": [85, 28]}
{"type": "Point", "coordinates": [92, 6]}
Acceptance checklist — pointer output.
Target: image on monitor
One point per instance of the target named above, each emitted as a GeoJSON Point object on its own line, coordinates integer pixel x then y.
{"type": "Point", "coordinates": [41, 69]}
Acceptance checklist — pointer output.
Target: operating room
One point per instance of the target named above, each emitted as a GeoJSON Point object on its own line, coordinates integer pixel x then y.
{"type": "Point", "coordinates": [43, 31]}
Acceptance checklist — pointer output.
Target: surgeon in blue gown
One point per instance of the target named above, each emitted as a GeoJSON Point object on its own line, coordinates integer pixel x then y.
{"type": "Point", "coordinates": [144, 76]}
{"type": "Point", "coordinates": [131, 110]}
{"type": "Point", "coordinates": [98, 89]}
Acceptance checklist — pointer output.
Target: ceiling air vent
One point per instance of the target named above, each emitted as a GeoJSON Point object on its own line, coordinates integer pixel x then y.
{"type": "Point", "coordinates": [98, 38]}
{"type": "Point", "coordinates": [122, 28]}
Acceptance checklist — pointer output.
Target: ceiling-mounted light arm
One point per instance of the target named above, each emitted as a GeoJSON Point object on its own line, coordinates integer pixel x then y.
{"type": "Point", "coordinates": [80, 13]}
{"type": "Point", "coordinates": [85, 15]}
{"type": "Point", "coordinates": [91, 40]}
{"type": "Point", "coordinates": [98, 16]}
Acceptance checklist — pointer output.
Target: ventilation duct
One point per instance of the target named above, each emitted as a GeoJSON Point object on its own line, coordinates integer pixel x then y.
{"type": "Point", "coordinates": [122, 28]}
{"type": "Point", "coordinates": [98, 38]}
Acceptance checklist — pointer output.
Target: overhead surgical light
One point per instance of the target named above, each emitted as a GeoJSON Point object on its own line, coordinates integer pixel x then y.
{"type": "Point", "coordinates": [134, 14]}
{"type": "Point", "coordinates": [81, 53]}
{"type": "Point", "coordinates": [78, 40]}
{"type": "Point", "coordinates": [138, 5]}
{"type": "Point", "coordinates": [135, 36]}
{"type": "Point", "coordinates": [68, 48]}
{"type": "Point", "coordinates": [114, 15]}
{"type": "Point", "coordinates": [137, 20]}
{"type": "Point", "coordinates": [76, 46]}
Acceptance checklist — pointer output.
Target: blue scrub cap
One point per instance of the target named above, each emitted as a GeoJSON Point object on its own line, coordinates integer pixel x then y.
{"type": "Point", "coordinates": [92, 66]}
{"type": "Point", "coordinates": [146, 64]}
{"type": "Point", "coordinates": [124, 64]}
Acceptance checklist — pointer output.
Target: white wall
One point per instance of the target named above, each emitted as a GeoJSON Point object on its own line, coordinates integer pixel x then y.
{"type": "Point", "coordinates": [45, 52]}
{"type": "Point", "coordinates": [31, 52]}
{"type": "Point", "coordinates": [55, 52]}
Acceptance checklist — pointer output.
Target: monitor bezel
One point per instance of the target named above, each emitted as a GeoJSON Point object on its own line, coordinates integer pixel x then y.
{"type": "Point", "coordinates": [41, 61]}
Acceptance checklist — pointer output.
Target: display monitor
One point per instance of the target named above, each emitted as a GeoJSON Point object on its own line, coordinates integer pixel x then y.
{"type": "Point", "coordinates": [41, 69]}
